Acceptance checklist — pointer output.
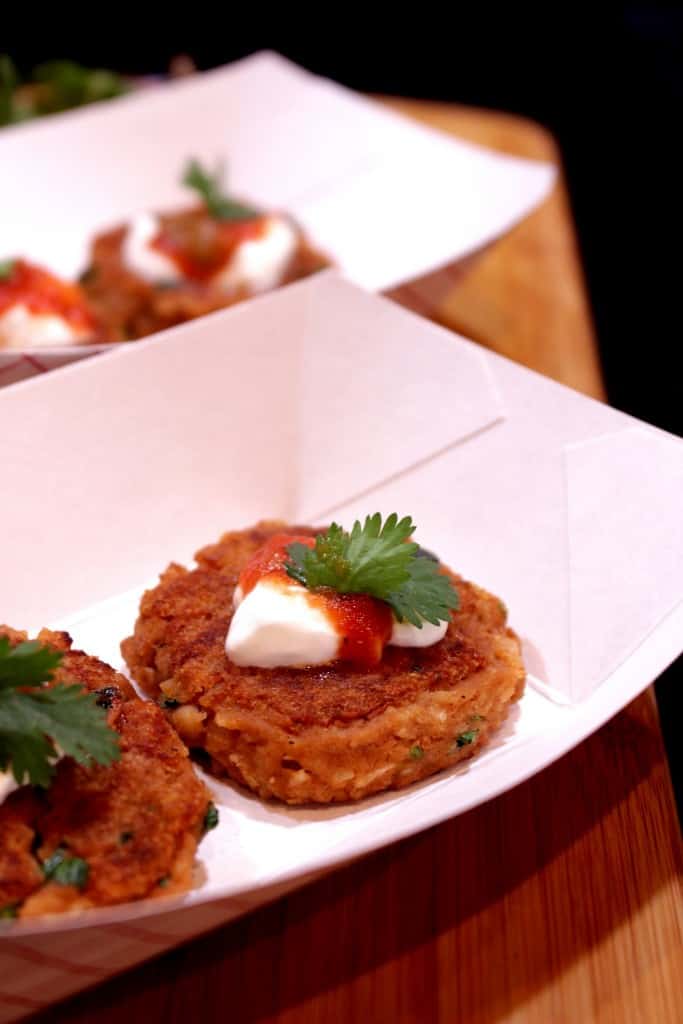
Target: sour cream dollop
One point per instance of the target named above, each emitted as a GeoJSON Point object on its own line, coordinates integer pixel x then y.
{"type": "Point", "coordinates": [279, 623]}
{"type": "Point", "coordinates": [259, 264]}
{"type": "Point", "coordinates": [276, 625]}
{"type": "Point", "coordinates": [142, 257]}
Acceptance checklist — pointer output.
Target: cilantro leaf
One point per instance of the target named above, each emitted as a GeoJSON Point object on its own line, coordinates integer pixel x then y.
{"type": "Point", "coordinates": [210, 188]}
{"type": "Point", "coordinates": [379, 560]}
{"type": "Point", "coordinates": [427, 594]}
{"type": "Point", "coordinates": [370, 558]}
{"type": "Point", "coordinates": [29, 753]}
{"type": "Point", "coordinates": [27, 664]}
{"type": "Point", "coordinates": [36, 720]}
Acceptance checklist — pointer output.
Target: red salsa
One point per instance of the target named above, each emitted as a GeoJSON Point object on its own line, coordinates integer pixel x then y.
{"type": "Point", "coordinates": [199, 245]}
{"type": "Point", "coordinates": [42, 292]}
{"type": "Point", "coordinates": [363, 623]}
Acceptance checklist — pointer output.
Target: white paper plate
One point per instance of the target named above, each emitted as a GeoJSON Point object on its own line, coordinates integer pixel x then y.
{"type": "Point", "coordinates": [317, 400]}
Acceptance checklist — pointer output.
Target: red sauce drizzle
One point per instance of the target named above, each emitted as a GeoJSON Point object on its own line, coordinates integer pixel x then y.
{"type": "Point", "coordinates": [42, 292]}
{"type": "Point", "coordinates": [363, 622]}
{"type": "Point", "coordinates": [201, 246]}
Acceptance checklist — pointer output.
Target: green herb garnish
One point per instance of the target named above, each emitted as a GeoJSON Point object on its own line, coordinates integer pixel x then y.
{"type": "Point", "coordinates": [465, 738]}
{"type": "Point", "coordinates": [210, 818]}
{"type": "Point", "coordinates": [168, 703]}
{"type": "Point", "coordinates": [35, 720]}
{"type": "Point", "coordinates": [378, 560]}
{"type": "Point", "coordinates": [6, 269]}
{"type": "Point", "coordinates": [66, 870]}
{"type": "Point", "coordinates": [66, 84]}
{"type": "Point", "coordinates": [163, 882]}
{"type": "Point", "coordinates": [210, 188]}
{"type": "Point", "coordinates": [9, 911]}
{"type": "Point", "coordinates": [416, 752]}
{"type": "Point", "coordinates": [425, 553]}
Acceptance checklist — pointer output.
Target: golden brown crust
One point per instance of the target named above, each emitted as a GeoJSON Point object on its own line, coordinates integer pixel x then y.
{"type": "Point", "coordinates": [20, 873]}
{"type": "Point", "coordinates": [129, 307]}
{"type": "Point", "coordinates": [133, 822]}
{"type": "Point", "coordinates": [337, 724]}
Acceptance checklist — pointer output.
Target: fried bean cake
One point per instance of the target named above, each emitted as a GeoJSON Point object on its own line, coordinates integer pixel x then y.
{"type": "Point", "coordinates": [128, 306]}
{"type": "Point", "coordinates": [334, 732]}
{"type": "Point", "coordinates": [135, 823]}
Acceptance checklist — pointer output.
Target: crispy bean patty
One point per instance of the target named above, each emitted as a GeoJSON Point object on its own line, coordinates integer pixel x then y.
{"type": "Point", "coordinates": [326, 733]}
{"type": "Point", "coordinates": [129, 307]}
{"type": "Point", "coordinates": [135, 823]}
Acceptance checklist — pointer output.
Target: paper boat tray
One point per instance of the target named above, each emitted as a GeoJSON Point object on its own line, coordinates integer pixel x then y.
{"type": "Point", "coordinates": [388, 199]}
{"type": "Point", "coordinates": [322, 401]}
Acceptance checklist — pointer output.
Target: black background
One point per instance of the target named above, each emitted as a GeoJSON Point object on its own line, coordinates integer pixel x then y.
{"type": "Point", "coordinates": [608, 83]}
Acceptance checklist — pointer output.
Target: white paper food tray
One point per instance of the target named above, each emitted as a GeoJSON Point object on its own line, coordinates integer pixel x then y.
{"type": "Point", "coordinates": [388, 199]}
{"type": "Point", "coordinates": [317, 401]}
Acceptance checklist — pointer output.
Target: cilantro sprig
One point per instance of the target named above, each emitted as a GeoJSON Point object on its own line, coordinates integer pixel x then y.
{"type": "Point", "coordinates": [35, 720]}
{"type": "Point", "coordinates": [380, 560]}
{"type": "Point", "coordinates": [210, 188]}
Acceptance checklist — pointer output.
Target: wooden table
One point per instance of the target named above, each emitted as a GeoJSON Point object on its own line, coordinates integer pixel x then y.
{"type": "Point", "coordinates": [558, 901]}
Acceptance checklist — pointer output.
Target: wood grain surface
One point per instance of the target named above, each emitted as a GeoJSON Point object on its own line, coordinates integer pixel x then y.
{"type": "Point", "coordinates": [557, 902]}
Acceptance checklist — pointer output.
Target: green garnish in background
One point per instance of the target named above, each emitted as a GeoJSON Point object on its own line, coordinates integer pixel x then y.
{"type": "Point", "coordinates": [54, 86]}
{"type": "Point", "coordinates": [35, 720]}
{"type": "Point", "coordinates": [6, 269]}
{"type": "Point", "coordinates": [210, 188]}
{"type": "Point", "coordinates": [379, 560]}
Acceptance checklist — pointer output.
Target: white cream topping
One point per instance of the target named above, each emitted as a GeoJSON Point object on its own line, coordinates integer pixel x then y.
{"type": "Point", "coordinates": [7, 785]}
{"type": "Point", "coordinates": [20, 328]}
{"type": "Point", "coordinates": [276, 624]}
{"type": "Point", "coordinates": [258, 264]}
{"type": "Point", "coordinates": [404, 634]}
{"type": "Point", "coordinates": [141, 258]}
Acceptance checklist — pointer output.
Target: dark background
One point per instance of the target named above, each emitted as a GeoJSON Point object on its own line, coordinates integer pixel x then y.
{"type": "Point", "coordinates": [607, 83]}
